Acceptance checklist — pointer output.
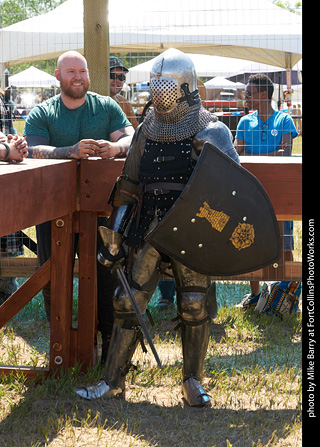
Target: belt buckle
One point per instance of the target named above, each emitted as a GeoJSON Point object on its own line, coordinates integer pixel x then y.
{"type": "Point", "coordinates": [157, 192]}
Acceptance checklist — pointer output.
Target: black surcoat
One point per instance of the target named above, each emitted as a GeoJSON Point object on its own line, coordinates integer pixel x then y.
{"type": "Point", "coordinates": [165, 169]}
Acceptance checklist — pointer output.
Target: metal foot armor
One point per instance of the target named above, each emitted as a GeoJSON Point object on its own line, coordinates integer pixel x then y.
{"type": "Point", "coordinates": [101, 389]}
{"type": "Point", "coordinates": [194, 394]}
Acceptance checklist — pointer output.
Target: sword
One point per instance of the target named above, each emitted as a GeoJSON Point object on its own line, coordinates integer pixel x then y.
{"type": "Point", "coordinates": [136, 309]}
{"type": "Point", "coordinates": [111, 242]}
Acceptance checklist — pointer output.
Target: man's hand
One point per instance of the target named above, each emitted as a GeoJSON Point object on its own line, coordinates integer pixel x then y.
{"type": "Point", "coordinates": [39, 147]}
{"type": "Point", "coordinates": [119, 146]}
{"type": "Point", "coordinates": [108, 149]}
{"type": "Point", "coordinates": [84, 149]}
{"type": "Point", "coordinates": [18, 147]}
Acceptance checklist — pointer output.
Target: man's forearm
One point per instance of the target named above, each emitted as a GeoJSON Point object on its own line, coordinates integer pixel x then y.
{"type": "Point", "coordinates": [123, 145]}
{"type": "Point", "coordinates": [46, 152]}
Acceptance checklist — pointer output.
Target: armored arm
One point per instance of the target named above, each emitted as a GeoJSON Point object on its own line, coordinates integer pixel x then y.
{"type": "Point", "coordinates": [124, 199]}
{"type": "Point", "coordinates": [112, 252]}
{"type": "Point", "coordinates": [219, 135]}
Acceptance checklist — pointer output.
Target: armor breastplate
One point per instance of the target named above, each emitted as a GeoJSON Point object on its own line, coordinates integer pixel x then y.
{"type": "Point", "coordinates": [164, 170]}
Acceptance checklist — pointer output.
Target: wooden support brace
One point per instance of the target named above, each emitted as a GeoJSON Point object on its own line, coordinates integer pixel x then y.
{"type": "Point", "coordinates": [24, 294]}
{"type": "Point", "coordinates": [87, 300]}
{"type": "Point", "coordinates": [62, 256]}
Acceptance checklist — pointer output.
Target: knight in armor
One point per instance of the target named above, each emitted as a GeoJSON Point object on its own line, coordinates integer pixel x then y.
{"type": "Point", "coordinates": [163, 154]}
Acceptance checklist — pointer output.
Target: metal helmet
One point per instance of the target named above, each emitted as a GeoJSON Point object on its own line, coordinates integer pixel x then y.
{"type": "Point", "coordinates": [173, 80]}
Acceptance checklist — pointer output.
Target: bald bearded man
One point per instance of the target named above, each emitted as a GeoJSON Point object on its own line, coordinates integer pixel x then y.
{"type": "Point", "coordinates": [78, 124]}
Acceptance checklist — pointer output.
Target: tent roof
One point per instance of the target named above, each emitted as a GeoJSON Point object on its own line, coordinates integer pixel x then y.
{"type": "Point", "coordinates": [242, 29]}
{"type": "Point", "coordinates": [33, 77]}
{"type": "Point", "coordinates": [221, 82]}
{"type": "Point", "coordinates": [206, 66]}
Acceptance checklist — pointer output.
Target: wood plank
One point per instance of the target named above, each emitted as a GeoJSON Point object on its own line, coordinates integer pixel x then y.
{"type": "Point", "coordinates": [62, 254]}
{"type": "Point", "coordinates": [25, 267]}
{"type": "Point", "coordinates": [280, 176]}
{"type": "Point", "coordinates": [87, 299]}
{"type": "Point", "coordinates": [24, 294]}
{"type": "Point", "coordinates": [282, 179]}
{"type": "Point", "coordinates": [293, 270]}
{"type": "Point", "coordinates": [29, 372]}
{"type": "Point", "coordinates": [96, 44]}
{"type": "Point", "coordinates": [97, 178]}
{"type": "Point", "coordinates": [39, 190]}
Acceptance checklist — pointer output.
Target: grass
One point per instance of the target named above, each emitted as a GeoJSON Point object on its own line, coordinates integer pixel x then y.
{"type": "Point", "coordinates": [297, 146]}
{"type": "Point", "coordinates": [252, 372]}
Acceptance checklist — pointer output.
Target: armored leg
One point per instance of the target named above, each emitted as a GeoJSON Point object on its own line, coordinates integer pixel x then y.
{"type": "Point", "coordinates": [124, 340]}
{"type": "Point", "coordinates": [194, 312]}
{"type": "Point", "coordinates": [195, 338]}
{"type": "Point", "coordinates": [126, 332]}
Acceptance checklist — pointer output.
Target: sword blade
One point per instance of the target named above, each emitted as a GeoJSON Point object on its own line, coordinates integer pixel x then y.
{"type": "Point", "coordinates": [136, 309]}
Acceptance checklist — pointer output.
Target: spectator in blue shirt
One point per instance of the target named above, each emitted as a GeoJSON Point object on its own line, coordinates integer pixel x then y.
{"type": "Point", "coordinates": [265, 132]}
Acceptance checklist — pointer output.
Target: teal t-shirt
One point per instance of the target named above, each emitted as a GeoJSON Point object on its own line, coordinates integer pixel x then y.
{"type": "Point", "coordinates": [97, 118]}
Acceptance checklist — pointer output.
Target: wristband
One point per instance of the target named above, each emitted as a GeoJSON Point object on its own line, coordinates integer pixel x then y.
{"type": "Point", "coordinates": [6, 157]}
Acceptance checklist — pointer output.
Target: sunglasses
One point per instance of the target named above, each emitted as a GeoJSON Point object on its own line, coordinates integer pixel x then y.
{"type": "Point", "coordinates": [115, 76]}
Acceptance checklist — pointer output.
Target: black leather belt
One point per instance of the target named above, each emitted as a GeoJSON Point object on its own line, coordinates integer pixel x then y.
{"type": "Point", "coordinates": [163, 187]}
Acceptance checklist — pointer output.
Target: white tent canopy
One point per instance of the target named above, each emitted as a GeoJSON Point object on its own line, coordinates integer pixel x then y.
{"type": "Point", "coordinates": [219, 82]}
{"type": "Point", "coordinates": [33, 77]}
{"type": "Point", "coordinates": [258, 31]}
{"type": "Point", "coordinates": [209, 66]}
{"type": "Point", "coordinates": [205, 66]}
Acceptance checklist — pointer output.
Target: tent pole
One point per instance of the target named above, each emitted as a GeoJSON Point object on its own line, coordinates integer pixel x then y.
{"type": "Point", "coordinates": [96, 44]}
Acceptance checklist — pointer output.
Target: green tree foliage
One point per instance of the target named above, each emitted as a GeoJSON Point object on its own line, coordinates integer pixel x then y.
{"type": "Point", "coordinates": [296, 7]}
{"type": "Point", "coordinates": [13, 11]}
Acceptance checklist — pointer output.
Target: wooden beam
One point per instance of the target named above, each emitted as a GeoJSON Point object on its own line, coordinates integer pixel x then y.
{"type": "Point", "coordinates": [24, 294]}
{"type": "Point", "coordinates": [282, 179]}
{"type": "Point", "coordinates": [29, 372]}
{"type": "Point", "coordinates": [39, 190]}
{"type": "Point", "coordinates": [62, 255]}
{"type": "Point", "coordinates": [96, 44]}
{"type": "Point", "coordinates": [25, 267]}
{"type": "Point", "coordinates": [97, 178]}
{"type": "Point", "coordinates": [87, 298]}
{"type": "Point", "coordinates": [293, 269]}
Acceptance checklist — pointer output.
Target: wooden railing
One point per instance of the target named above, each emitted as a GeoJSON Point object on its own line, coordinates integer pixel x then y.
{"type": "Point", "coordinates": [72, 195]}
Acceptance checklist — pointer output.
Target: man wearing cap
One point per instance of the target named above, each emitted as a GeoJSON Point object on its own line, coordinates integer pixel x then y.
{"type": "Point", "coordinates": [117, 77]}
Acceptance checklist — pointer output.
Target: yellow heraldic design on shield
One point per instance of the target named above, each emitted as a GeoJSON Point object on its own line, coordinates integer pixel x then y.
{"type": "Point", "coordinates": [217, 219]}
{"type": "Point", "coordinates": [242, 236]}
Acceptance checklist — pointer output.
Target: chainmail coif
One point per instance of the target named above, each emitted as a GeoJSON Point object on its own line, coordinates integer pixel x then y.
{"type": "Point", "coordinates": [183, 122]}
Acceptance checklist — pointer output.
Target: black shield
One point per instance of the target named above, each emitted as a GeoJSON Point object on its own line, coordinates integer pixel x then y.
{"type": "Point", "coordinates": [223, 223]}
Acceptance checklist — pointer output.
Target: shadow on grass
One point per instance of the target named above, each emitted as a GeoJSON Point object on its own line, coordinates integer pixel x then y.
{"type": "Point", "coordinates": [38, 420]}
